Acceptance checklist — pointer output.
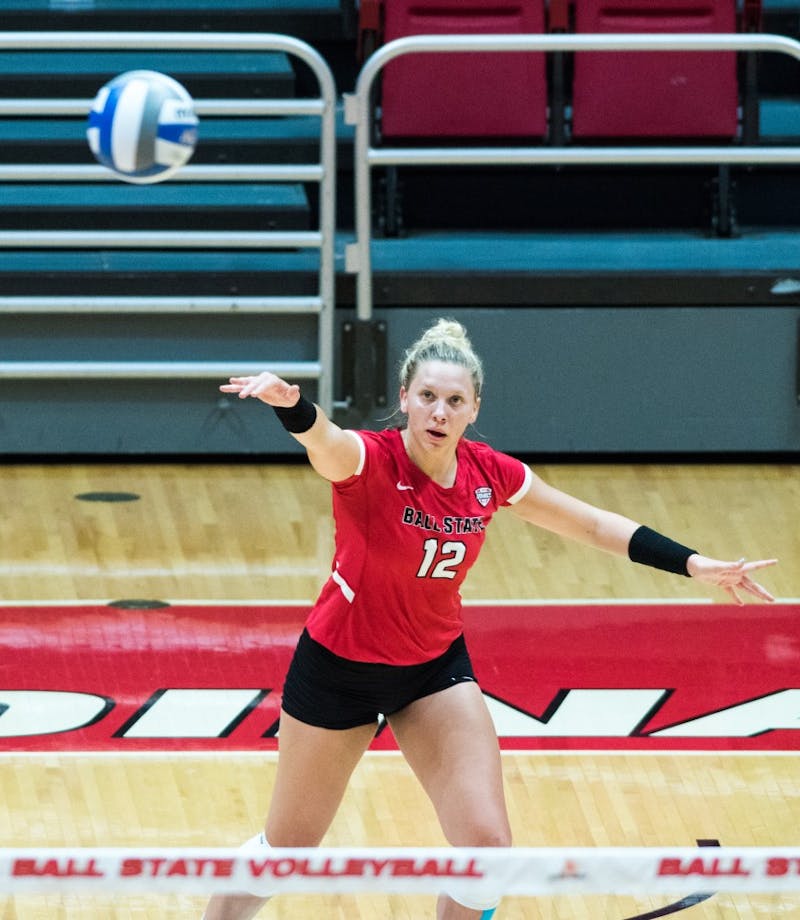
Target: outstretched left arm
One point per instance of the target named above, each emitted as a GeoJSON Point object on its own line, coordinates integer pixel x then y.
{"type": "Point", "coordinates": [574, 519]}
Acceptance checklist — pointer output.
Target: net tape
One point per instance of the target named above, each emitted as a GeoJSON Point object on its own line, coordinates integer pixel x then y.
{"type": "Point", "coordinates": [515, 871]}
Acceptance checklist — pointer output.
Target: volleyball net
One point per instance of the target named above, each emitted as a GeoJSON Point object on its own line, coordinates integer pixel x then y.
{"type": "Point", "coordinates": [516, 871]}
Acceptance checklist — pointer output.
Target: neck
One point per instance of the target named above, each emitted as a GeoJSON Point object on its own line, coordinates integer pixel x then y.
{"type": "Point", "coordinates": [440, 466]}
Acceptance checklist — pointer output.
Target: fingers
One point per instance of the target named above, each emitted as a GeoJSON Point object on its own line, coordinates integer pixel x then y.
{"type": "Point", "coordinates": [761, 564]}
{"type": "Point", "coordinates": [736, 577]}
{"type": "Point", "coordinates": [235, 384]}
{"type": "Point", "coordinates": [267, 387]}
{"type": "Point", "coordinates": [257, 386]}
{"type": "Point", "coordinates": [743, 566]}
{"type": "Point", "coordinates": [247, 386]}
{"type": "Point", "coordinates": [753, 587]}
{"type": "Point", "coordinates": [757, 590]}
{"type": "Point", "coordinates": [736, 599]}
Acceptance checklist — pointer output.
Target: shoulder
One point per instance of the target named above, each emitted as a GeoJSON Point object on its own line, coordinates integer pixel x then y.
{"type": "Point", "coordinates": [385, 437]}
{"type": "Point", "coordinates": [373, 446]}
{"type": "Point", "coordinates": [510, 475]}
{"type": "Point", "coordinates": [384, 442]}
{"type": "Point", "coordinates": [483, 454]}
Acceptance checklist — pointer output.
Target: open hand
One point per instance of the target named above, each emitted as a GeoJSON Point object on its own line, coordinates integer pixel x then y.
{"type": "Point", "coordinates": [732, 577]}
{"type": "Point", "coordinates": [267, 387]}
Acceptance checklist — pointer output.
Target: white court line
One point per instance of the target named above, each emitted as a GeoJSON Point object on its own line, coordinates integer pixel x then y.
{"type": "Point", "coordinates": [193, 569]}
{"type": "Point", "coordinates": [105, 601]}
{"type": "Point", "coordinates": [473, 602]}
{"type": "Point", "coordinates": [272, 755]}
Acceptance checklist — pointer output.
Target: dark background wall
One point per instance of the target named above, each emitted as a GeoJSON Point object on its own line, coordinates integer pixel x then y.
{"type": "Point", "coordinates": [614, 314]}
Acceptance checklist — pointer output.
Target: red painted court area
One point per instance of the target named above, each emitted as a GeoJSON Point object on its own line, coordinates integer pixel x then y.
{"type": "Point", "coordinates": [208, 678]}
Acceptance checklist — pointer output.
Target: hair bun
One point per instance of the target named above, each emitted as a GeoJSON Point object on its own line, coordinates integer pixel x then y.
{"type": "Point", "coordinates": [446, 340]}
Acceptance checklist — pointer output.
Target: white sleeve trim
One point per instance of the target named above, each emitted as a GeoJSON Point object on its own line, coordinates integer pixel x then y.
{"type": "Point", "coordinates": [362, 451]}
{"type": "Point", "coordinates": [526, 484]}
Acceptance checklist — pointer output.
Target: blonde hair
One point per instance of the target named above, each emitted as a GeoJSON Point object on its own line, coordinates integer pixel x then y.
{"type": "Point", "coordinates": [446, 340]}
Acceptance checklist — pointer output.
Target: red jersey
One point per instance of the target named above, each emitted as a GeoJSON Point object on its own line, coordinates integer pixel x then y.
{"type": "Point", "coordinates": [404, 545]}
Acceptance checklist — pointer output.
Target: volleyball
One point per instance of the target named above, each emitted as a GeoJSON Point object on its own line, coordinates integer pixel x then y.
{"type": "Point", "coordinates": [142, 125]}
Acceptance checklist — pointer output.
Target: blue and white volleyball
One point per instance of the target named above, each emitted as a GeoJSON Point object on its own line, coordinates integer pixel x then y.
{"type": "Point", "coordinates": [142, 126]}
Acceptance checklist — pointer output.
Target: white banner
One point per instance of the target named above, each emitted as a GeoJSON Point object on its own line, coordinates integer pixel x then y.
{"type": "Point", "coordinates": [482, 872]}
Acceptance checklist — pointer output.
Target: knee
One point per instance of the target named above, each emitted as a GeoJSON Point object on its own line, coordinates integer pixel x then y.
{"type": "Point", "coordinates": [482, 834]}
{"type": "Point", "coordinates": [485, 897]}
{"type": "Point", "coordinates": [298, 838]}
{"type": "Point", "coordinates": [298, 835]}
{"type": "Point", "coordinates": [495, 837]}
{"type": "Point", "coordinates": [458, 898]}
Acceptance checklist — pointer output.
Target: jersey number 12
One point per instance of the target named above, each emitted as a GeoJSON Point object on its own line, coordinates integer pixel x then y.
{"type": "Point", "coordinates": [451, 556]}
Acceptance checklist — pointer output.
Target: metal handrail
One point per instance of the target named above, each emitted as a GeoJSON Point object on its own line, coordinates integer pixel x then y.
{"type": "Point", "coordinates": [159, 239]}
{"type": "Point", "coordinates": [167, 304]}
{"type": "Point", "coordinates": [200, 173]}
{"type": "Point", "coordinates": [163, 370]}
{"type": "Point", "coordinates": [358, 112]}
{"type": "Point", "coordinates": [322, 172]}
{"type": "Point", "coordinates": [249, 107]}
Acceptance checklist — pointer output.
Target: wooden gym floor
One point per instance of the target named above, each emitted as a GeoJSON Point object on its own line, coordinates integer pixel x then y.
{"type": "Point", "coordinates": [262, 533]}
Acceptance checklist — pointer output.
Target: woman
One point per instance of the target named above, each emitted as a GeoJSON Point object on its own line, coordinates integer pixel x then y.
{"type": "Point", "coordinates": [411, 506]}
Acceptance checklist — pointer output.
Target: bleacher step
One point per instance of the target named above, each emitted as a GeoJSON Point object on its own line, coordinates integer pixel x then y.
{"type": "Point", "coordinates": [80, 73]}
{"type": "Point", "coordinates": [166, 206]}
{"type": "Point", "coordinates": [306, 19]}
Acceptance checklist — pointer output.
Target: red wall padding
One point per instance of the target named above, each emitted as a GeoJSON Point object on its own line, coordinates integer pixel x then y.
{"type": "Point", "coordinates": [659, 93]}
{"type": "Point", "coordinates": [490, 94]}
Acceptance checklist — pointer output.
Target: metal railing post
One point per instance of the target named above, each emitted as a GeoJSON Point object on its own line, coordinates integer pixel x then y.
{"type": "Point", "coordinates": [323, 239]}
{"type": "Point", "coordinates": [366, 156]}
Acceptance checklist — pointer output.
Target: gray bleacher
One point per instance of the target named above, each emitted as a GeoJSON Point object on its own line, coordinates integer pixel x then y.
{"type": "Point", "coordinates": [105, 303]}
{"type": "Point", "coordinates": [603, 298]}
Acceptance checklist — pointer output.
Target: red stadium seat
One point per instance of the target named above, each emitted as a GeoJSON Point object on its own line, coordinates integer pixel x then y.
{"type": "Point", "coordinates": [680, 94]}
{"type": "Point", "coordinates": [491, 94]}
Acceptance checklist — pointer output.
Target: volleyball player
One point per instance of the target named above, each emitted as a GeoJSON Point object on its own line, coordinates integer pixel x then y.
{"type": "Point", "coordinates": [411, 506]}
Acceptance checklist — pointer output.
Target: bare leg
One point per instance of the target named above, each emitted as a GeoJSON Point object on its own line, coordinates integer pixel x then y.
{"type": "Point", "coordinates": [449, 740]}
{"type": "Point", "coordinates": [233, 907]}
{"type": "Point", "coordinates": [314, 767]}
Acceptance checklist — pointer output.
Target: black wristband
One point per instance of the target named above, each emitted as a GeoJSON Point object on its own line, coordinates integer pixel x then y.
{"type": "Point", "coordinates": [297, 418]}
{"type": "Point", "coordinates": [651, 548]}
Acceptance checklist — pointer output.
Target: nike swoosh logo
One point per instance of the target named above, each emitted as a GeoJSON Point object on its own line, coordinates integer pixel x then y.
{"type": "Point", "coordinates": [401, 487]}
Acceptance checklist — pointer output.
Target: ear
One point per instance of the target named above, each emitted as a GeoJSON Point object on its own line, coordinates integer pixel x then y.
{"type": "Point", "coordinates": [476, 410]}
{"type": "Point", "coordinates": [404, 400]}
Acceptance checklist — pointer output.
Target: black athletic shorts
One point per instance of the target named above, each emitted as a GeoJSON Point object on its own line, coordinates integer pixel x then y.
{"type": "Point", "coordinates": [331, 692]}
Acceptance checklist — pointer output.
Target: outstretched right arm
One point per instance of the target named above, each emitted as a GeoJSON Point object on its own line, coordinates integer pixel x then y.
{"type": "Point", "coordinates": [334, 453]}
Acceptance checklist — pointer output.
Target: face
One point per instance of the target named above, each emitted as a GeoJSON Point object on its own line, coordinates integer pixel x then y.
{"type": "Point", "coordinates": [440, 402]}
